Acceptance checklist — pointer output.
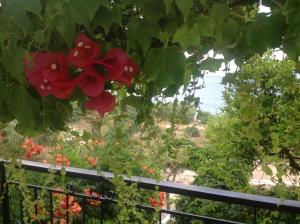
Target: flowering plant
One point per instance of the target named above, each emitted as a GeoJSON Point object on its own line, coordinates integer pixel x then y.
{"type": "Point", "coordinates": [50, 73]}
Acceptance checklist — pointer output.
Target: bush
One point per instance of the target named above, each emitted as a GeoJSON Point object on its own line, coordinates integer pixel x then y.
{"type": "Point", "coordinates": [192, 131]}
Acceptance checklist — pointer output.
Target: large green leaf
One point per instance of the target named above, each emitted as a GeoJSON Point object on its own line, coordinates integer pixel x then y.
{"type": "Point", "coordinates": [154, 10]}
{"type": "Point", "coordinates": [187, 36]}
{"type": "Point", "coordinates": [292, 41]}
{"type": "Point", "coordinates": [84, 11]}
{"type": "Point", "coordinates": [16, 11]}
{"type": "Point", "coordinates": [266, 32]}
{"type": "Point", "coordinates": [13, 62]}
{"type": "Point", "coordinates": [165, 66]}
{"type": "Point", "coordinates": [168, 4]}
{"type": "Point", "coordinates": [141, 31]}
{"type": "Point", "coordinates": [211, 64]}
{"type": "Point", "coordinates": [184, 6]}
{"type": "Point", "coordinates": [23, 106]}
{"type": "Point", "coordinates": [105, 17]}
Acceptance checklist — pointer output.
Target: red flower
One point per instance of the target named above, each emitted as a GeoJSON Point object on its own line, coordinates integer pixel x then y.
{"type": "Point", "coordinates": [48, 73]}
{"type": "Point", "coordinates": [103, 103]}
{"type": "Point", "coordinates": [119, 67]}
{"type": "Point", "coordinates": [63, 89]}
{"type": "Point", "coordinates": [91, 84]}
{"type": "Point", "coordinates": [46, 67]}
{"type": "Point", "coordinates": [85, 52]}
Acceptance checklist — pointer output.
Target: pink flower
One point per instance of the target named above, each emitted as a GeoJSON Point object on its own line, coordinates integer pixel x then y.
{"type": "Point", "coordinates": [103, 103]}
{"type": "Point", "coordinates": [63, 89]}
{"type": "Point", "coordinates": [48, 73]}
{"type": "Point", "coordinates": [119, 67]}
{"type": "Point", "coordinates": [91, 84]}
{"type": "Point", "coordinates": [85, 52]}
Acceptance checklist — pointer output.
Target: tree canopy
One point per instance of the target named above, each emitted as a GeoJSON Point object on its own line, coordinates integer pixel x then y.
{"type": "Point", "coordinates": [155, 33]}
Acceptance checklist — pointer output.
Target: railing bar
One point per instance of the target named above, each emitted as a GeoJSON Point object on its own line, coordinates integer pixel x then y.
{"type": "Point", "coordinates": [199, 217]}
{"type": "Point", "coordinates": [21, 207]}
{"type": "Point", "coordinates": [254, 215]}
{"type": "Point", "coordinates": [67, 206]}
{"type": "Point", "coordinates": [83, 210]}
{"type": "Point", "coordinates": [160, 217]}
{"type": "Point", "coordinates": [170, 187]}
{"type": "Point", "coordinates": [4, 194]}
{"type": "Point", "coordinates": [35, 198]}
{"type": "Point", "coordinates": [51, 207]}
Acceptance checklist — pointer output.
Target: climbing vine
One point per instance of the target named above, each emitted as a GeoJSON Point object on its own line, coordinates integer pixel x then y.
{"type": "Point", "coordinates": [154, 34]}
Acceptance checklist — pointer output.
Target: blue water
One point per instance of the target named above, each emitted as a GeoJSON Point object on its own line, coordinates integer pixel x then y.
{"type": "Point", "coordinates": [211, 97]}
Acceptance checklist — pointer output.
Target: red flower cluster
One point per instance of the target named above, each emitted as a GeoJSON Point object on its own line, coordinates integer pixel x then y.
{"type": "Point", "coordinates": [31, 148]}
{"type": "Point", "coordinates": [89, 192]}
{"type": "Point", "coordinates": [160, 202]}
{"type": "Point", "coordinates": [49, 74]}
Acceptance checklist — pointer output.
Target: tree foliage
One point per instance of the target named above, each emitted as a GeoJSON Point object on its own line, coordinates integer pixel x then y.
{"type": "Point", "coordinates": [156, 33]}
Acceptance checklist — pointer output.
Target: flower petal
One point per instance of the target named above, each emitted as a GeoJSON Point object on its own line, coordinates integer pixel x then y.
{"type": "Point", "coordinates": [92, 85]}
{"type": "Point", "coordinates": [103, 103]}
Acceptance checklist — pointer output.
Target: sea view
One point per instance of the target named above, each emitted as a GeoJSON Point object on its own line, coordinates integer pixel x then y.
{"type": "Point", "coordinates": [211, 97]}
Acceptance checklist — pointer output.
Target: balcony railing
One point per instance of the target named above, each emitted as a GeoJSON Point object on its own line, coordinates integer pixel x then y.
{"type": "Point", "coordinates": [254, 202]}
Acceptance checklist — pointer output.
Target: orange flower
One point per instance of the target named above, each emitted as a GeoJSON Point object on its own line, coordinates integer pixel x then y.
{"type": "Point", "coordinates": [31, 148]}
{"type": "Point", "coordinates": [61, 160]}
{"type": "Point", "coordinates": [92, 160]}
{"type": "Point", "coordinates": [149, 170]}
{"type": "Point", "coordinates": [89, 192]}
{"type": "Point", "coordinates": [75, 208]}
{"type": "Point", "coordinates": [160, 202]}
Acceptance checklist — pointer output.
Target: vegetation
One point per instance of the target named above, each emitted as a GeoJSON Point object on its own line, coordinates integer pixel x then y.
{"type": "Point", "coordinates": [60, 58]}
{"type": "Point", "coordinates": [261, 121]}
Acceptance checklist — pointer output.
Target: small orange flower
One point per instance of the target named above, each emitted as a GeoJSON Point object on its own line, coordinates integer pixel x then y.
{"type": "Point", "coordinates": [89, 192]}
{"type": "Point", "coordinates": [160, 202]}
{"type": "Point", "coordinates": [61, 160]}
{"type": "Point", "coordinates": [92, 160]}
{"type": "Point", "coordinates": [149, 170]}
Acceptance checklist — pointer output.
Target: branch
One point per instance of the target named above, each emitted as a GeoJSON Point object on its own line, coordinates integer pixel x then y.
{"type": "Point", "coordinates": [291, 158]}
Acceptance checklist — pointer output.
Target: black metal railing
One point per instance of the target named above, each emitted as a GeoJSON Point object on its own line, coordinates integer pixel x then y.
{"type": "Point", "coordinates": [252, 201]}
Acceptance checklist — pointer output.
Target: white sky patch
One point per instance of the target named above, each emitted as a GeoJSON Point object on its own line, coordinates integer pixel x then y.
{"type": "Point", "coordinates": [264, 9]}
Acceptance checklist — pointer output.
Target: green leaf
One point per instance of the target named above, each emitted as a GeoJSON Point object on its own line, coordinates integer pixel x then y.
{"type": "Point", "coordinates": [168, 4]}
{"type": "Point", "coordinates": [184, 6]}
{"type": "Point", "coordinates": [187, 36]}
{"type": "Point", "coordinates": [206, 26]}
{"type": "Point", "coordinates": [13, 62]}
{"type": "Point", "coordinates": [66, 25]}
{"type": "Point", "coordinates": [106, 17]}
{"type": "Point", "coordinates": [165, 66]}
{"type": "Point", "coordinates": [39, 36]}
{"type": "Point", "coordinates": [265, 32]}
{"type": "Point", "coordinates": [16, 11]}
{"type": "Point", "coordinates": [292, 12]}
{"type": "Point", "coordinates": [154, 10]}
{"type": "Point", "coordinates": [211, 64]}
{"type": "Point", "coordinates": [141, 31]}
{"type": "Point", "coordinates": [85, 9]}
{"type": "Point", "coordinates": [23, 106]}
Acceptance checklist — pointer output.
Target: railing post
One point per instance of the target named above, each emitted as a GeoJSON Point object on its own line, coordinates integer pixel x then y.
{"type": "Point", "coordinates": [4, 194]}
